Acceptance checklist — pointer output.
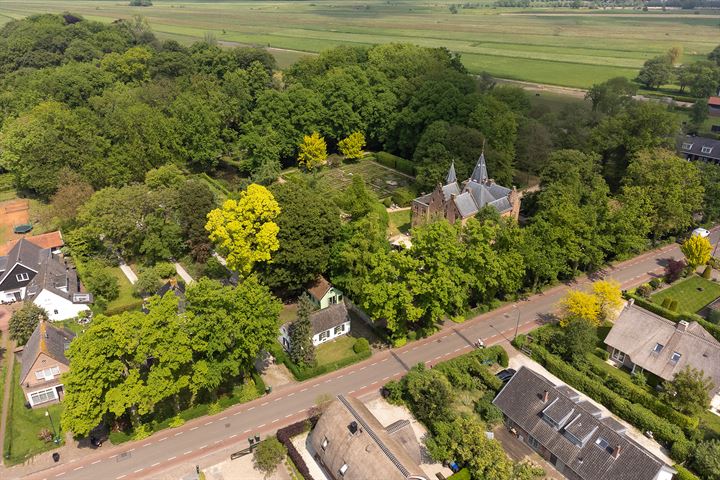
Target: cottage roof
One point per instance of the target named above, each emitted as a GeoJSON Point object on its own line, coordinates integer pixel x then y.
{"type": "Point", "coordinates": [653, 343]}
{"type": "Point", "coordinates": [587, 445]}
{"type": "Point", "coordinates": [368, 452]}
{"type": "Point", "coordinates": [714, 101]}
{"type": "Point", "coordinates": [56, 276]}
{"type": "Point", "coordinates": [700, 146]}
{"type": "Point", "coordinates": [46, 240]}
{"type": "Point", "coordinates": [330, 317]}
{"type": "Point", "coordinates": [319, 288]}
{"type": "Point", "coordinates": [23, 252]}
{"type": "Point", "coordinates": [45, 339]}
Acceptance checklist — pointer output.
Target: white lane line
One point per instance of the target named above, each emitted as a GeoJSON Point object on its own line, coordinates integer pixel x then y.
{"type": "Point", "coordinates": [204, 446]}
{"type": "Point", "coordinates": [78, 468]}
{"type": "Point", "coordinates": [95, 462]}
{"type": "Point", "coordinates": [216, 442]}
{"type": "Point", "coordinates": [278, 399]}
{"type": "Point", "coordinates": [277, 419]}
{"type": "Point", "coordinates": [373, 364]}
{"type": "Point", "coordinates": [349, 393]}
{"type": "Point", "coordinates": [251, 408]}
{"type": "Point", "coordinates": [208, 423]}
{"type": "Point", "coordinates": [385, 378]}
{"type": "Point", "coordinates": [304, 389]}
{"type": "Point", "coordinates": [291, 394]}
{"type": "Point", "coordinates": [147, 444]}
{"type": "Point", "coordinates": [113, 456]}
{"type": "Point", "coordinates": [155, 464]}
{"type": "Point", "coordinates": [340, 376]}
{"type": "Point", "coordinates": [162, 439]}
{"type": "Point", "coordinates": [288, 415]}
{"type": "Point", "coordinates": [457, 349]}
{"type": "Point", "coordinates": [263, 404]}
{"type": "Point", "coordinates": [223, 418]}
{"type": "Point", "coordinates": [121, 476]}
{"type": "Point", "coordinates": [179, 433]}
{"type": "Point", "coordinates": [194, 428]}
{"type": "Point", "coordinates": [328, 381]}
{"type": "Point", "coordinates": [363, 387]}
{"type": "Point", "coordinates": [188, 452]}
{"type": "Point", "coordinates": [439, 356]}
{"type": "Point", "coordinates": [233, 435]}
{"type": "Point", "coordinates": [238, 413]}
{"type": "Point", "coordinates": [246, 431]}
{"type": "Point", "coordinates": [139, 470]}
{"type": "Point", "coordinates": [171, 459]}
{"type": "Point", "coordinates": [131, 450]}
{"type": "Point", "coordinates": [259, 426]}
{"type": "Point", "coordinates": [385, 360]}
{"type": "Point", "coordinates": [448, 353]}
{"type": "Point", "coordinates": [363, 368]}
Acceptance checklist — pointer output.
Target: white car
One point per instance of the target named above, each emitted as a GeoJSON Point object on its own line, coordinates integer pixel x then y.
{"type": "Point", "coordinates": [700, 232]}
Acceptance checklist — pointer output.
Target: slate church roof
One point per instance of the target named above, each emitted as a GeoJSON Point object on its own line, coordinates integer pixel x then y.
{"type": "Point", "coordinates": [593, 447]}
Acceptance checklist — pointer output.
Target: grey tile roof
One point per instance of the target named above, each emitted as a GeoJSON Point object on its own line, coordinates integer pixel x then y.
{"type": "Point", "coordinates": [637, 331]}
{"type": "Point", "coordinates": [25, 253]}
{"type": "Point", "coordinates": [57, 277]}
{"type": "Point", "coordinates": [501, 204]}
{"type": "Point", "coordinates": [45, 339]}
{"type": "Point", "coordinates": [329, 317]}
{"type": "Point", "coordinates": [466, 205]}
{"type": "Point", "coordinates": [585, 444]}
{"type": "Point", "coordinates": [450, 189]}
{"type": "Point", "coordinates": [480, 173]}
{"type": "Point", "coordinates": [689, 145]}
{"type": "Point", "coordinates": [451, 176]}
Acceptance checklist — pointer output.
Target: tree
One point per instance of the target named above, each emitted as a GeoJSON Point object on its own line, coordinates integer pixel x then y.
{"type": "Point", "coordinates": [245, 230]}
{"type": "Point", "coordinates": [674, 54]}
{"type": "Point", "coordinates": [302, 350]}
{"type": "Point", "coordinates": [101, 282]}
{"type": "Point", "coordinates": [313, 152]}
{"type": "Point", "coordinates": [429, 392]}
{"type": "Point", "coordinates": [148, 282]}
{"type": "Point", "coordinates": [674, 269]}
{"type": "Point", "coordinates": [697, 251]}
{"type": "Point", "coordinates": [715, 55]}
{"type": "Point", "coordinates": [609, 296]}
{"type": "Point", "coordinates": [352, 145]}
{"type": "Point", "coordinates": [688, 391]}
{"type": "Point", "coordinates": [193, 207]}
{"type": "Point", "coordinates": [580, 305]}
{"type": "Point", "coordinates": [24, 321]}
{"type": "Point", "coordinates": [698, 114]}
{"type": "Point", "coordinates": [702, 77]}
{"type": "Point", "coordinates": [579, 337]}
{"type": "Point", "coordinates": [706, 459]}
{"type": "Point", "coordinates": [268, 455]}
{"type": "Point", "coordinates": [498, 124]}
{"type": "Point", "coordinates": [73, 191]}
{"type": "Point", "coordinates": [673, 187]}
{"type": "Point", "coordinates": [612, 95]}
{"type": "Point", "coordinates": [656, 72]}
{"type": "Point", "coordinates": [129, 66]}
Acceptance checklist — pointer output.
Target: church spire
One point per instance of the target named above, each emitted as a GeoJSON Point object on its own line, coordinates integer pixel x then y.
{"type": "Point", "coordinates": [451, 177]}
{"type": "Point", "coordinates": [480, 174]}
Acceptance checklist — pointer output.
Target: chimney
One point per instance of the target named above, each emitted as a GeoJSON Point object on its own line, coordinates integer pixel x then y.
{"type": "Point", "coordinates": [682, 326]}
{"type": "Point", "coordinates": [631, 302]}
{"type": "Point", "coordinates": [616, 453]}
{"type": "Point", "coordinates": [545, 396]}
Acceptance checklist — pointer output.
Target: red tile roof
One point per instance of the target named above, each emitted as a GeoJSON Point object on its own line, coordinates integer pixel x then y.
{"type": "Point", "coordinates": [46, 240]}
{"type": "Point", "coordinates": [319, 288]}
{"type": "Point", "coordinates": [714, 101]}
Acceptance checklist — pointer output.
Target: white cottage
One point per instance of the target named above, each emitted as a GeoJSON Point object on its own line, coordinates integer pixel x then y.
{"type": "Point", "coordinates": [327, 324]}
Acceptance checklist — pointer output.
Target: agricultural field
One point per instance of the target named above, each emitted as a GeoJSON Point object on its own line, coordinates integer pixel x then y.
{"type": "Point", "coordinates": [554, 46]}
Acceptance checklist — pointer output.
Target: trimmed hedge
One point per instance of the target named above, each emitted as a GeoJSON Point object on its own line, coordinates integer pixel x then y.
{"type": "Point", "coordinates": [301, 374]}
{"type": "Point", "coordinates": [123, 308]}
{"type": "Point", "coordinates": [684, 474]}
{"type": "Point", "coordinates": [636, 414]}
{"type": "Point", "coordinates": [284, 436]}
{"type": "Point", "coordinates": [395, 162]}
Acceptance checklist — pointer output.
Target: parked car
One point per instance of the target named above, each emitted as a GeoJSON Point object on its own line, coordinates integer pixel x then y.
{"type": "Point", "coordinates": [505, 375]}
{"type": "Point", "coordinates": [700, 232]}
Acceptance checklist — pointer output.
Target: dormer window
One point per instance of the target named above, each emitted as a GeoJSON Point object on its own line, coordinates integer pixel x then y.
{"type": "Point", "coordinates": [687, 146]}
{"type": "Point", "coordinates": [658, 348]}
{"type": "Point", "coordinates": [707, 149]}
{"type": "Point", "coordinates": [675, 358]}
{"type": "Point", "coordinates": [22, 277]}
{"type": "Point", "coordinates": [325, 443]}
{"type": "Point", "coordinates": [343, 469]}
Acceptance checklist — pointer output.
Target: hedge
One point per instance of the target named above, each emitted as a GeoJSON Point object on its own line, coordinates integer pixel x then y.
{"type": "Point", "coordinates": [284, 436]}
{"type": "Point", "coordinates": [301, 374]}
{"type": "Point", "coordinates": [463, 474]}
{"type": "Point", "coordinates": [123, 308]}
{"type": "Point", "coordinates": [636, 414]}
{"type": "Point", "coordinates": [684, 474]}
{"type": "Point", "coordinates": [712, 329]}
{"type": "Point", "coordinates": [395, 162]}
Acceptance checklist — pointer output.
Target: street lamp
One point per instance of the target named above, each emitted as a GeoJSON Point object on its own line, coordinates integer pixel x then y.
{"type": "Point", "coordinates": [517, 323]}
{"type": "Point", "coordinates": [52, 425]}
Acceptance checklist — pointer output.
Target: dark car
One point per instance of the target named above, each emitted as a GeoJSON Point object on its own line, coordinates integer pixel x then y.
{"type": "Point", "coordinates": [505, 375]}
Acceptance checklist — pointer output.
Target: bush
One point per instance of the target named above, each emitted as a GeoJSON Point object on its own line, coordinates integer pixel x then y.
{"type": "Point", "coordinates": [602, 353]}
{"type": "Point", "coordinates": [644, 290]}
{"type": "Point", "coordinates": [490, 414]}
{"type": "Point", "coordinates": [714, 316]}
{"type": "Point", "coordinates": [165, 269]}
{"type": "Point", "coordinates": [503, 358]}
{"type": "Point", "coordinates": [101, 282]}
{"type": "Point", "coordinates": [393, 392]}
{"type": "Point", "coordinates": [403, 196]}
{"type": "Point", "coordinates": [284, 435]}
{"type": "Point", "coordinates": [412, 336]}
{"type": "Point", "coordinates": [361, 346]}
{"type": "Point", "coordinates": [399, 342]}
{"type": "Point", "coordinates": [148, 282]}
{"type": "Point", "coordinates": [387, 202]}
{"type": "Point", "coordinates": [684, 474]}
{"type": "Point", "coordinates": [707, 273]}
{"type": "Point", "coordinates": [673, 306]}
{"type": "Point", "coordinates": [674, 270]}
{"type": "Point", "coordinates": [395, 162]}
{"type": "Point", "coordinates": [681, 449]}
{"type": "Point", "coordinates": [639, 379]}
{"type": "Point", "coordinates": [655, 283]}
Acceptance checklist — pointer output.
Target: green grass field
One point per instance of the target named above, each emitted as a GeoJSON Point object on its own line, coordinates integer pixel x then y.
{"type": "Point", "coordinates": [335, 350]}
{"type": "Point", "coordinates": [554, 46]}
{"type": "Point", "coordinates": [692, 294]}
{"type": "Point", "coordinates": [125, 299]}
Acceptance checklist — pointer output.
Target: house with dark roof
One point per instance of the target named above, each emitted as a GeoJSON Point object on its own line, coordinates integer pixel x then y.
{"type": "Point", "coordinates": [323, 294]}
{"type": "Point", "coordinates": [349, 443]}
{"type": "Point", "coordinates": [43, 361]}
{"type": "Point", "coordinates": [572, 434]}
{"type": "Point", "coordinates": [172, 285]}
{"type": "Point", "coordinates": [643, 341]}
{"type": "Point", "coordinates": [699, 148]}
{"type": "Point", "coordinates": [41, 275]}
{"type": "Point", "coordinates": [458, 202]}
{"type": "Point", "coordinates": [714, 106]}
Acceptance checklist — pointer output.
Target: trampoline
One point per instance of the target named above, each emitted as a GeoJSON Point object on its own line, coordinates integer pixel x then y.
{"type": "Point", "coordinates": [23, 228]}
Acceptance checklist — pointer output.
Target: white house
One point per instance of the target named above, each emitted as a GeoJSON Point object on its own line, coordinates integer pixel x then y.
{"type": "Point", "coordinates": [323, 294]}
{"type": "Point", "coordinates": [327, 324]}
{"type": "Point", "coordinates": [31, 272]}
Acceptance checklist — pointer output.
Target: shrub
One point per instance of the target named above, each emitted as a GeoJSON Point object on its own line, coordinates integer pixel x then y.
{"type": "Point", "coordinates": [684, 474]}
{"type": "Point", "coordinates": [393, 392]}
{"type": "Point", "coordinates": [674, 305]}
{"type": "Point", "coordinates": [177, 421]}
{"type": "Point", "coordinates": [387, 202]}
{"type": "Point", "coordinates": [707, 273]}
{"type": "Point", "coordinates": [361, 345]}
{"type": "Point", "coordinates": [403, 196]}
{"type": "Point", "coordinates": [674, 270]}
{"type": "Point", "coordinates": [714, 316]}
{"type": "Point", "coordinates": [681, 449]}
{"type": "Point", "coordinates": [412, 336]}
{"type": "Point", "coordinates": [639, 379]}
{"type": "Point", "coordinates": [602, 353]}
{"type": "Point", "coordinates": [101, 282]}
{"type": "Point", "coordinates": [644, 290]}
{"type": "Point", "coordinates": [148, 282]}
{"type": "Point", "coordinates": [284, 435]}
{"type": "Point", "coordinates": [490, 414]}
{"type": "Point", "coordinates": [399, 342]}
{"type": "Point", "coordinates": [503, 358]}
{"type": "Point", "coordinates": [655, 283]}
{"type": "Point", "coordinates": [165, 269]}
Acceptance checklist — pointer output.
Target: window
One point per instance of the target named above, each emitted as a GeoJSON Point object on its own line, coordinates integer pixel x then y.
{"type": "Point", "coordinates": [343, 469]}
{"type": "Point", "coordinates": [324, 335]}
{"type": "Point", "coordinates": [339, 329]}
{"type": "Point", "coordinates": [43, 396]}
{"type": "Point", "coordinates": [48, 373]}
{"type": "Point", "coordinates": [658, 348]}
{"type": "Point", "coordinates": [333, 300]}
{"type": "Point", "coordinates": [22, 277]}
{"type": "Point", "coordinates": [604, 444]}
{"type": "Point", "coordinates": [532, 441]}
{"type": "Point", "coordinates": [325, 443]}
{"type": "Point", "coordinates": [687, 146]}
{"type": "Point", "coordinates": [675, 358]}
{"type": "Point", "coordinates": [707, 149]}
{"type": "Point", "coordinates": [618, 355]}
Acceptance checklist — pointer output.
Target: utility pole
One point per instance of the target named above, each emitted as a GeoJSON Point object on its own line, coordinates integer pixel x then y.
{"type": "Point", "coordinates": [52, 425]}
{"type": "Point", "coordinates": [517, 323]}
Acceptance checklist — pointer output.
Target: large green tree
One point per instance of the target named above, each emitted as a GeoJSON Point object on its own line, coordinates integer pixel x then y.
{"type": "Point", "coordinates": [302, 350]}
{"type": "Point", "coordinates": [24, 321]}
{"type": "Point", "coordinates": [688, 391]}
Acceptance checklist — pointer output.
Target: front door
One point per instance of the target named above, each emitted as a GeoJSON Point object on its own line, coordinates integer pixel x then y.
{"type": "Point", "coordinates": [17, 296]}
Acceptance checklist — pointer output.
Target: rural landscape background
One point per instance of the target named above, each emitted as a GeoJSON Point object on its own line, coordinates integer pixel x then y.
{"type": "Point", "coordinates": [565, 47]}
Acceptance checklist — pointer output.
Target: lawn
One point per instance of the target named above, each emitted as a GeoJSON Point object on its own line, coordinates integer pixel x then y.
{"type": "Point", "coordinates": [335, 350]}
{"type": "Point", "coordinates": [546, 45]}
{"type": "Point", "coordinates": [399, 222]}
{"type": "Point", "coordinates": [126, 300]}
{"type": "Point", "coordinates": [692, 294]}
{"type": "Point", "coordinates": [24, 424]}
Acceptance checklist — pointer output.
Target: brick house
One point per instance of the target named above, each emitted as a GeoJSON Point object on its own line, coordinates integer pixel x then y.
{"type": "Point", "coordinates": [43, 361]}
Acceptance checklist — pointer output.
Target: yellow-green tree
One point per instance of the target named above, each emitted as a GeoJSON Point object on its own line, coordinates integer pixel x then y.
{"type": "Point", "coordinates": [352, 146]}
{"type": "Point", "coordinates": [609, 296]}
{"type": "Point", "coordinates": [697, 250]}
{"type": "Point", "coordinates": [579, 304]}
{"type": "Point", "coordinates": [313, 151]}
{"type": "Point", "coordinates": [244, 230]}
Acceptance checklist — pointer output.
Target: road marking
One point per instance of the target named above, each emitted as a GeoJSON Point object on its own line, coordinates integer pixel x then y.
{"type": "Point", "coordinates": [113, 456]}
{"type": "Point", "coordinates": [162, 439]}
{"type": "Point", "coordinates": [78, 468]}
{"type": "Point", "coordinates": [96, 462]}
{"type": "Point", "coordinates": [251, 408]}
{"type": "Point", "coordinates": [290, 414]}
{"type": "Point", "coordinates": [277, 399]}
{"type": "Point", "coordinates": [247, 431]}
{"type": "Point", "coordinates": [147, 444]}
{"type": "Point", "coordinates": [139, 470]}
{"type": "Point", "coordinates": [275, 420]}
{"type": "Point", "coordinates": [60, 474]}
{"type": "Point", "coordinates": [216, 442]}
{"type": "Point", "coordinates": [328, 380]}
{"type": "Point", "coordinates": [439, 356]}
{"type": "Point", "coordinates": [121, 476]}
{"type": "Point", "coordinates": [259, 426]}
{"type": "Point", "coordinates": [349, 393]}
{"type": "Point", "coordinates": [234, 435]}
{"type": "Point", "coordinates": [179, 433]}
{"type": "Point", "coordinates": [373, 364]}
{"type": "Point", "coordinates": [363, 387]}
{"type": "Point", "coordinates": [238, 413]}
{"type": "Point", "coordinates": [131, 450]}
{"type": "Point", "coordinates": [171, 459]}
{"type": "Point", "coordinates": [262, 405]}
{"type": "Point", "coordinates": [155, 464]}
{"type": "Point", "coordinates": [385, 378]}
{"type": "Point", "coordinates": [204, 446]}
{"type": "Point", "coordinates": [188, 452]}
{"type": "Point", "coordinates": [457, 349]}
{"type": "Point", "coordinates": [448, 353]}
{"type": "Point", "coordinates": [381, 361]}
{"type": "Point", "coordinates": [208, 423]}
{"type": "Point", "coordinates": [304, 389]}
{"type": "Point", "coordinates": [194, 428]}
{"type": "Point", "coordinates": [291, 394]}
{"type": "Point", "coordinates": [363, 368]}
{"type": "Point", "coordinates": [413, 349]}
{"type": "Point", "coordinates": [340, 376]}
{"type": "Point", "coordinates": [223, 418]}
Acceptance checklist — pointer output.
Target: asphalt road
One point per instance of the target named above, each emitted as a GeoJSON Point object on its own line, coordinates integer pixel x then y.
{"type": "Point", "coordinates": [199, 438]}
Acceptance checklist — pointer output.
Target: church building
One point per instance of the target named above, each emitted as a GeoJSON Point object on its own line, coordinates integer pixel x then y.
{"type": "Point", "coordinates": [454, 201]}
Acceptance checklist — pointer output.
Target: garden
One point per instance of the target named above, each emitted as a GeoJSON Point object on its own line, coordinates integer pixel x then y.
{"type": "Point", "coordinates": [692, 294]}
